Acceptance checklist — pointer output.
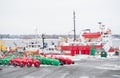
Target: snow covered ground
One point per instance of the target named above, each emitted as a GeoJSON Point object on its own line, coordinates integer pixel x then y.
{"type": "Point", "coordinates": [85, 67]}
{"type": "Point", "coordinates": [81, 57]}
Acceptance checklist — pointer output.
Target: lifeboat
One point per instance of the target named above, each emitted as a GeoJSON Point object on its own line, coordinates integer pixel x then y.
{"type": "Point", "coordinates": [91, 34]}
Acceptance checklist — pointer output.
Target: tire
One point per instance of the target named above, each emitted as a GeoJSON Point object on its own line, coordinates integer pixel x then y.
{"type": "Point", "coordinates": [28, 65]}
{"type": "Point", "coordinates": [9, 64]}
{"type": "Point", "coordinates": [73, 62]}
{"type": "Point", "coordinates": [61, 63]}
{"type": "Point", "coordinates": [37, 65]}
{"type": "Point", "coordinates": [5, 63]}
{"type": "Point", "coordinates": [14, 64]}
{"type": "Point", "coordinates": [21, 65]}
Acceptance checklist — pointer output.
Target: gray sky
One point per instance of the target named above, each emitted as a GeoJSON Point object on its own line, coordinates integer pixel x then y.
{"type": "Point", "coordinates": [56, 16]}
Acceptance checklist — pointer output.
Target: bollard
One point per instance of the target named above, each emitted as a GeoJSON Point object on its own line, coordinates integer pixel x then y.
{"type": "Point", "coordinates": [92, 50]}
{"type": "Point", "coordinates": [103, 54]}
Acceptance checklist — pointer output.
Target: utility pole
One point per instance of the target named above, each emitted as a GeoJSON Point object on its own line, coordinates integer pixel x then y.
{"type": "Point", "coordinates": [74, 25]}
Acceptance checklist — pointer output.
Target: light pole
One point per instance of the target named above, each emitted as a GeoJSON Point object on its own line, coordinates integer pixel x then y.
{"type": "Point", "coordinates": [74, 25]}
{"type": "Point", "coordinates": [100, 26]}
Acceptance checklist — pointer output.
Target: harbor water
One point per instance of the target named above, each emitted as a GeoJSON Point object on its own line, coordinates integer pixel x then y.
{"type": "Point", "coordinates": [21, 42]}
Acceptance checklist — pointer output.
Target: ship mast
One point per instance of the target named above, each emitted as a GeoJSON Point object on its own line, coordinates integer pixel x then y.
{"type": "Point", "coordinates": [74, 25]}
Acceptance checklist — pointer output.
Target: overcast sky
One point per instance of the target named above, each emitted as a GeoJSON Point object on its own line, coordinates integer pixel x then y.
{"type": "Point", "coordinates": [56, 16]}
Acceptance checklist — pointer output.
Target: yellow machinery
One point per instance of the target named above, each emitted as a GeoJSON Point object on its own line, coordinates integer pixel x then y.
{"type": "Point", "coordinates": [2, 45]}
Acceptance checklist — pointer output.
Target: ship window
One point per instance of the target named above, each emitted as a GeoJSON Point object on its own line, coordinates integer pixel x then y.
{"type": "Point", "coordinates": [29, 45]}
{"type": "Point", "coordinates": [32, 45]}
{"type": "Point", "coordinates": [105, 33]}
{"type": "Point", "coordinates": [32, 42]}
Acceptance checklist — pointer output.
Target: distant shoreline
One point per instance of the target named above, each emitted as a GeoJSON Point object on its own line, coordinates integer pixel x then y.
{"type": "Point", "coordinates": [8, 36]}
